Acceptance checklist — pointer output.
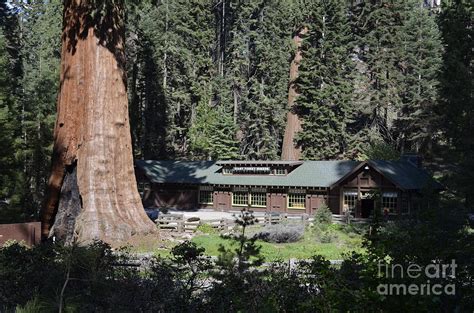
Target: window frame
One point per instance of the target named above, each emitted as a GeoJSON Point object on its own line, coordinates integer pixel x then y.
{"type": "Point", "coordinates": [296, 194]}
{"type": "Point", "coordinates": [247, 195]}
{"type": "Point", "coordinates": [350, 193]}
{"type": "Point", "coordinates": [279, 171]}
{"type": "Point", "coordinates": [227, 171]}
{"type": "Point", "coordinates": [261, 194]}
{"type": "Point", "coordinates": [143, 188]}
{"type": "Point", "coordinates": [211, 193]}
{"type": "Point", "coordinates": [392, 198]}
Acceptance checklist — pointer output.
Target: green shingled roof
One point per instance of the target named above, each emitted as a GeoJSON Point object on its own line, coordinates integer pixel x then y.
{"type": "Point", "coordinates": [308, 174]}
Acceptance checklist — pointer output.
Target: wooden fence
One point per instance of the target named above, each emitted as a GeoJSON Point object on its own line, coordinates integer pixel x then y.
{"type": "Point", "coordinates": [348, 219]}
{"type": "Point", "coordinates": [177, 222]}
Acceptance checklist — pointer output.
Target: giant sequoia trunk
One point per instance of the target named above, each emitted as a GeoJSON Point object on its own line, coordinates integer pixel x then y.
{"type": "Point", "coordinates": [290, 151]}
{"type": "Point", "coordinates": [92, 191]}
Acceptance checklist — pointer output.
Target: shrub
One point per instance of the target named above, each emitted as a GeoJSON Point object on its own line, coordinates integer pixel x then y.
{"type": "Point", "coordinates": [327, 236]}
{"type": "Point", "coordinates": [323, 215]}
{"type": "Point", "coordinates": [207, 229]}
{"type": "Point", "coordinates": [281, 233]}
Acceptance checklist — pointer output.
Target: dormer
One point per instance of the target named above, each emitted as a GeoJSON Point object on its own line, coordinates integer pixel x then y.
{"type": "Point", "coordinates": [271, 168]}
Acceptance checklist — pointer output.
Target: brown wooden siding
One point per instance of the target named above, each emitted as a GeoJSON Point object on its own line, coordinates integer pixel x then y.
{"type": "Point", "coordinates": [180, 197]}
{"type": "Point", "coordinates": [222, 200]}
{"type": "Point", "coordinates": [334, 201]}
{"type": "Point", "coordinates": [186, 196]}
{"type": "Point", "coordinates": [277, 202]}
{"type": "Point", "coordinates": [29, 233]}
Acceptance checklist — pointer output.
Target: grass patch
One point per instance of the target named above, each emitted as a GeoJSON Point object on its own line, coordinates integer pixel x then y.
{"type": "Point", "coordinates": [343, 239]}
{"type": "Point", "coordinates": [344, 242]}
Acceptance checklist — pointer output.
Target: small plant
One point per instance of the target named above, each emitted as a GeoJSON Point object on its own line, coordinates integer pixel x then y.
{"type": "Point", "coordinates": [207, 229]}
{"type": "Point", "coordinates": [11, 242]}
{"type": "Point", "coordinates": [32, 306]}
{"type": "Point", "coordinates": [326, 236]}
{"type": "Point", "coordinates": [247, 251]}
{"type": "Point", "coordinates": [281, 233]}
{"type": "Point", "coordinates": [323, 215]}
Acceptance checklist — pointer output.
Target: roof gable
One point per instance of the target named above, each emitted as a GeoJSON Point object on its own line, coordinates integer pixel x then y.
{"type": "Point", "coordinates": [406, 175]}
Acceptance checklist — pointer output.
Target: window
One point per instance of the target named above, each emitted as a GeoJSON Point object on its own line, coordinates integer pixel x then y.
{"type": "Point", "coordinates": [350, 201]}
{"type": "Point", "coordinates": [389, 202]}
{"type": "Point", "coordinates": [143, 189]}
{"type": "Point", "coordinates": [279, 171]}
{"type": "Point", "coordinates": [297, 200]}
{"type": "Point", "coordinates": [240, 198]}
{"type": "Point", "coordinates": [206, 197]}
{"type": "Point", "coordinates": [258, 199]}
{"type": "Point", "coordinates": [226, 170]}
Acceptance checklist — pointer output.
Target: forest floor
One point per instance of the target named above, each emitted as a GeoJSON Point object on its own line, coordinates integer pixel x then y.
{"type": "Point", "coordinates": [342, 240]}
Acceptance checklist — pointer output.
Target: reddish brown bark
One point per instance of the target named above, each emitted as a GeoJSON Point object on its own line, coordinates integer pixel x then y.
{"type": "Point", "coordinates": [290, 151]}
{"type": "Point", "coordinates": [92, 133]}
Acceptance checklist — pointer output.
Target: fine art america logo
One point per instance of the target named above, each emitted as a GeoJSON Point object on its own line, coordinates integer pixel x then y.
{"type": "Point", "coordinates": [437, 276]}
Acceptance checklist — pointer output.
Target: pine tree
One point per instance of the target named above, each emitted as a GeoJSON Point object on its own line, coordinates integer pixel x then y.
{"type": "Point", "coordinates": [40, 62]}
{"type": "Point", "coordinates": [10, 25]}
{"type": "Point", "coordinates": [376, 26]}
{"type": "Point", "coordinates": [256, 74]}
{"type": "Point", "coordinates": [11, 180]}
{"type": "Point", "coordinates": [420, 64]}
{"type": "Point", "coordinates": [457, 90]}
{"type": "Point", "coordinates": [324, 83]}
{"type": "Point", "coordinates": [212, 135]}
{"type": "Point", "coordinates": [172, 73]}
{"type": "Point", "coordinates": [7, 159]}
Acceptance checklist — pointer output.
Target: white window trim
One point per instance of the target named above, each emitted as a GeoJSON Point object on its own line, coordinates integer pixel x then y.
{"type": "Point", "coordinates": [256, 205]}
{"type": "Point", "coordinates": [392, 195]}
{"type": "Point", "coordinates": [288, 200]}
{"type": "Point", "coordinates": [241, 205]}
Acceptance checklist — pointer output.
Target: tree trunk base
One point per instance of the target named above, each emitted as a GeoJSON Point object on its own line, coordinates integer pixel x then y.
{"type": "Point", "coordinates": [70, 204]}
{"type": "Point", "coordinates": [73, 225]}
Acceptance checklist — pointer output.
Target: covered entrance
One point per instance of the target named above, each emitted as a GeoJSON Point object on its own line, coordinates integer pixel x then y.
{"type": "Point", "coordinates": [366, 207]}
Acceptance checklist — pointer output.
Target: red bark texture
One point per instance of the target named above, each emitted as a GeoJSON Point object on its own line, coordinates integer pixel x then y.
{"type": "Point", "coordinates": [290, 151]}
{"type": "Point", "coordinates": [92, 133]}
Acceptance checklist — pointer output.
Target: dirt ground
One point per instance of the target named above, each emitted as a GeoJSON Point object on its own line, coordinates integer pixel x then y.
{"type": "Point", "coordinates": [204, 215]}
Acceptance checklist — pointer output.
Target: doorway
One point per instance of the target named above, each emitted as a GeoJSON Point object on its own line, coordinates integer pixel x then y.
{"type": "Point", "coordinates": [366, 207]}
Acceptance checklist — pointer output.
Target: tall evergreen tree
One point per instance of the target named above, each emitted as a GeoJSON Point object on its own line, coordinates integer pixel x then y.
{"type": "Point", "coordinates": [92, 191]}
{"type": "Point", "coordinates": [8, 165]}
{"type": "Point", "coordinates": [324, 81]}
{"type": "Point", "coordinates": [457, 92]}
{"type": "Point", "coordinates": [174, 61]}
{"type": "Point", "coordinates": [420, 64]}
{"type": "Point", "coordinates": [376, 26]}
{"type": "Point", "coordinates": [212, 135]}
{"type": "Point", "coordinates": [256, 74]}
{"type": "Point", "coordinates": [11, 178]}
{"type": "Point", "coordinates": [41, 55]}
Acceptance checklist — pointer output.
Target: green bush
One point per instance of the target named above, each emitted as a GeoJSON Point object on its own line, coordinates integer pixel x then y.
{"type": "Point", "coordinates": [32, 306]}
{"type": "Point", "coordinates": [102, 280]}
{"type": "Point", "coordinates": [207, 229]}
{"type": "Point", "coordinates": [323, 215]}
{"type": "Point", "coordinates": [327, 236]}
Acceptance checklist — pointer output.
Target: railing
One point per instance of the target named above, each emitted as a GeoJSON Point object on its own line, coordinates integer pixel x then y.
{"type": "Point", "coordinates": [348, 219]}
